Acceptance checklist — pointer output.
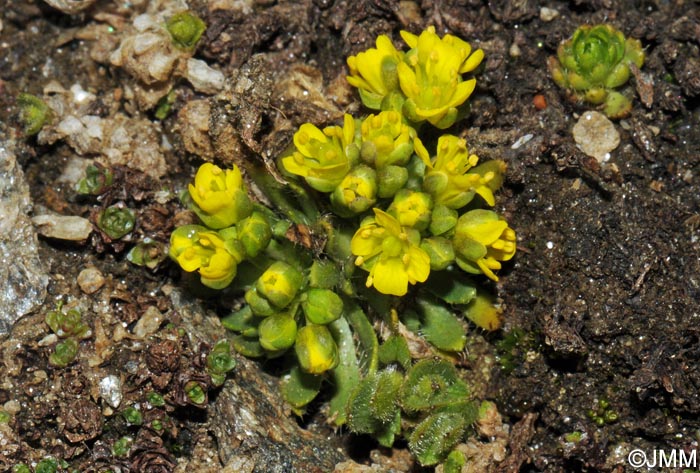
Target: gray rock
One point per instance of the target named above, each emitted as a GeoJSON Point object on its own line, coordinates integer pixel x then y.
{"type": "Point", "coordinates": [23, 277]}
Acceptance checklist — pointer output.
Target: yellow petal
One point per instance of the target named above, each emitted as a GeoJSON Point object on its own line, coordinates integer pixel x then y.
{"type": "Point", "coordinates": [409, 38]}
{"type": "Point", "coordinates": [418, 267]}
{"type": "Point", "coordinates": [472, 62]}
{"type": "Point", "coordinates": [390, 277]}
{"type": "Point", "coordinates": [387, 221]}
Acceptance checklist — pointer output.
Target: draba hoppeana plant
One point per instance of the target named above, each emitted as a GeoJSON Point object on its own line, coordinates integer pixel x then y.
{"type": "Point", "coordinates": [379, 226]}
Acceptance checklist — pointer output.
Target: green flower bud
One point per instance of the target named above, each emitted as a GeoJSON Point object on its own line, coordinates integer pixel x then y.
{"type": "Point", "coordinates": [386, 140]}
{"type": "Point", "coordinates": [356, 193]}
{"type": "Point", "coordinates": [322, 306]}
{"type": "Point", "coordinates": [155, 399]}
{"type": "Point", "coordinates": [390, 179]}
{"type": "Point", "coordinates": [279, 284]}
{"type": "Point", "coordinates": [97, 179]}
{"type": "Point", "coordinates": [316, 349]}
{"type": "Point", "coordinates": [33, 113]}
{"type": "Point", "coordinates": [67, 324]}
{"type": "Point", "coordinates": [185, 28]}
{"type": "Point", "coordinates": [5, 417]}
{"type": "Point", "coordinates": [149, 253]}
{"type": "Point", "coordinates": [442, 220]}
{"type": "Point", "coordinates": [254, 233]}
{"type": "Point", "coordinates": [440, 250]}
{"type": "Point", "coordinates": [64, 353]}
{"type": "Point", "coordinates": [121, 446]}
{"type": "Point", "coordinates": [259, 304]}
{"type": "Point", "coordinates": [132, 416]}
{"type": "Point", "coordinates": [412, 209]}
{"type": "Point", "coordinates": [220, 362]}
{"type": "Point", "coordinates": [116, 221]}
{"type": "Point", "coordinates": [277, 332]}
{"type": "Point", "coordinates": [195, 392]}
{"type": "Point", "coordinates": [47, 465]}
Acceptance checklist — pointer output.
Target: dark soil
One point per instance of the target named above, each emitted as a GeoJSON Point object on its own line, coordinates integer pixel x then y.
{"type": "Point", "coordinates": [602, 300]}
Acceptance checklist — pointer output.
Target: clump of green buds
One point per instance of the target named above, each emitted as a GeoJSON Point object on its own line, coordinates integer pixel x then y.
{"type": "Point", "coordinates": [594, 62]}
{"type": "Point", "coordinates": [69, 326]}
{"type": "Point", "coordinates": [220, 362]}
{"type": "Point", "coordinates": [185, 29]}
{"type": "Point", "coordinates": [116, 221]}
{"type": "Point", "coordinates": [33, 113]}
{"type": "Point", "coordinates": [148, 252]}
{"type": "Point", "coordinates": [97, 179]}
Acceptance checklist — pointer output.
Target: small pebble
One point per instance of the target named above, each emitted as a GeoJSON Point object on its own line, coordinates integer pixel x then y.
{"type": "Point", "coordinates": [148, 323]}
{"type": "Point", "coordinates": [62, 227]}
{"type": "Point", "coordinates": [90, 280]}
{"type": "Point", "coordinates": [12, 407]}
{"type": "Point", "coordinates": [548, 14]}
{"type": "Point", "coordinates": [111, 390]}
{"type": "Point", "coordinates": [596, 136]}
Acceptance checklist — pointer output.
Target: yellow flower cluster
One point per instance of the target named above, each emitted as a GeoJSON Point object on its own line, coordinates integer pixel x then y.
{"type": "Point", "coordinates": [425, 83]}
{"type": "Point", "coordinates": [232, 231]}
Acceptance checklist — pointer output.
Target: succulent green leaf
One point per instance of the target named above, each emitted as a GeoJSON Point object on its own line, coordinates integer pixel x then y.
{"type": "Point", "coordinates": [441, 327]}
{"type": "Point", "coordinates": [436, 435]}
{"type": "Point", "coordinates": [299, 388]}
{"type": "Point", "coordinates": [346, 376]}
{"type": "Point", "coordinates": [432, 383]}
{"type": "Point", "coordinates": [395, 350]}
{"type": "Point", "coordinates": [451, 286]}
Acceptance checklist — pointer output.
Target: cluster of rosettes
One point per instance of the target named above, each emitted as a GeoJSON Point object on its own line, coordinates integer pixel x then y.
{"type": "Point", "coordinates": [232, 232]}
{"type": "Point", "coordinates": [379, 164]}
{"type": "Point", "coordinates": [594, 62]}
{"type": "Point", "coordinates": [425, 83]}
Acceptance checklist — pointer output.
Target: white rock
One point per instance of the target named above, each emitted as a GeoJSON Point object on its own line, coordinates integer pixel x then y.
{"type": "Point", "coordinates": [148, 323]}
{"type": "Point", "coordinates": [548, 14]}
{"type": "Point", "coordinates": [111, 390]}
{"type": "Point", "coordinates": [62, 227]}
{"type": "Point", "coordinates": [203, 78]}
{"type": "Point", "coordinates": [90, 280]}
{"type": "Point", "coordinates": [596, 136]}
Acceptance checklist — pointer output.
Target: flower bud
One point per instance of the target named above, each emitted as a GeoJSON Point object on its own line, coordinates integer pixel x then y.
{"type": "Point", "coordinates": [482, 240]}
{"type": "Point", "coordinates": [219, 197]}
{"type": "Point", "coordinates": [258, 304]}
{"type": "Point", "coordinates": [412, 209]}
{"type": "Point", "coordinates": [33, 113]}
{"type": "Point", "coordinates": [116, 221]}
{"type": "Point", "coordinates": [386, 140]}
{"type": "Point", "coordinates": [390, 179]}
{"type": "Point", "coordinates": [316, 349]}
{"type": "Point", "coordinates": [440, 251]}
{"type": "Point", "coordinates": [442, 220]}
{"type": "Point", "coordinates": [322, 306]}
{"type": "Point", "coordinates": [277, 332]}
{"type": "Point", "coordinates": [254, 233]}
{"type": "Point", "coordinates": [356, 193]}
{"type": "Point", "coordinates": [279, 284]}
{"type": "Point", "coordinates": [185, 29]}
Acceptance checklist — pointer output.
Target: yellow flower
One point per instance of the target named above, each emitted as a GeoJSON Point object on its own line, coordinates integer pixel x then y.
{"type": "Point", "coordinates": [391, 253]}
{"type": "Point", "coordinates": [323, 158]}
{"type": "Point", "coordinates": [386, 140]}
{"type": "Point", "coordinates": [373, 72]}
{"type": "Point", "coordinates": [482, 240]}
{"type": "Point", "coordinates": [356, 193]}
{"type": "Point", "coordinates": [219, 196]}
{"type": "Point", "coordinates": [197, 248]}
{"type": "Point", "coordinates": [448, 178]}
{"type": "Point", "coordinates": [430, 76]}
